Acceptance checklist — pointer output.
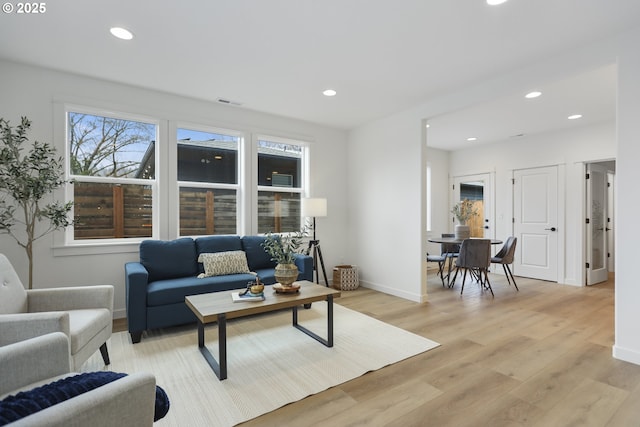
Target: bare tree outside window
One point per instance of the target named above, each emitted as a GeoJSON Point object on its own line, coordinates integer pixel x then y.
{"type": "Point", "coordinates": [104, 146]}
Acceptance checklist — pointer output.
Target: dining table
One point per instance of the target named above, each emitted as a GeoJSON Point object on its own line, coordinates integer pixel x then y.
{"type": "Point", "coordinates": [448, 256]}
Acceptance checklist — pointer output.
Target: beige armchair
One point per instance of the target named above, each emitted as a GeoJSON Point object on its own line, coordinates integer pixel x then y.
{"type": "Point", "coordinates": [83, 314]}
{"type": "Point", "coordinates": [128, 401]}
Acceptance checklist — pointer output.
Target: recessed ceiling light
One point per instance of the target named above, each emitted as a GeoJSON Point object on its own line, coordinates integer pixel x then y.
{"type": "Point", "coordinates": [574, 116]}
{"type": "Point", "coordinates": [473, 138]}
{"type": "Point", "coordinates": [329, 92]}
{"type": "Point", "coordinates": [428, 125]}
{"type": "Point", "coordinates": [121, 33]}
{"type": "Point", "coordinates": [495, 2]}
{"type": "Point", "coordinates": [533, 94]}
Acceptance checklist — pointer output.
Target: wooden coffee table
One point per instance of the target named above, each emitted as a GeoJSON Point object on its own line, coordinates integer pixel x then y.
{"type": "Point", "coordinates": [218, 307]}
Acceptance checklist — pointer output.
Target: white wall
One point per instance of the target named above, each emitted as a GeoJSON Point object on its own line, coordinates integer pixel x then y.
{"type": "Point", "coordinates": [386, 205]}
{"type": "Point", "coordinates": [32, 92]}
{"type": "Point", "coordinates": [440, 189]}
{"type": "Point", "coordinates": [627, 314]}
{"type": "Point", "coordinates": [568, 149]}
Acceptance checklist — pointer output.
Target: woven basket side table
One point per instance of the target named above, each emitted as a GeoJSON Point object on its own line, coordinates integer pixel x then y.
{"type": "Point", "coordinates": [345, 277]}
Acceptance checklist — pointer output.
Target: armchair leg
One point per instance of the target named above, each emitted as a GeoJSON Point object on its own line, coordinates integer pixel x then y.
{"type": "Point", "coordinates": [105, 354]}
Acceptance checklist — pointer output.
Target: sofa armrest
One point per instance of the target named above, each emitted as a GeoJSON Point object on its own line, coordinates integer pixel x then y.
{"type": "Point", "coordinates": [22, 326]}
{"type": "Point", "coordinates": [128, 401]}
{"type": "Point", "coordinates": [36, 359]}
{"type": "Point", "coordinates": [70, 298]}
{"type": "Point", "coordinates": [136, 280]}
{"type": "Point", "coordinates": [305, 267]}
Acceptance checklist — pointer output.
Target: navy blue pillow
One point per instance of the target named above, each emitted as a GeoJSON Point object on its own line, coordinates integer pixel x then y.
{"type": "Point", "coordinates": [168, 259]}
{"type": "Point", "coordinates": [13, 408]}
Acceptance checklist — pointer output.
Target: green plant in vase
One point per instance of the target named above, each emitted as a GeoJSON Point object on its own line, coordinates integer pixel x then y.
{"type": "Point", "coordinates": [283, 248]}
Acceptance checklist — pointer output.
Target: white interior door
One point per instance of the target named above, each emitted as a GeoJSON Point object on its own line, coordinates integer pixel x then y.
{"type": "Point", "coordinates": [535, 199]}
{"type": "Point", "coordinates": [597, 224]}
{"type": "Point", "coordinates": [479, 189]}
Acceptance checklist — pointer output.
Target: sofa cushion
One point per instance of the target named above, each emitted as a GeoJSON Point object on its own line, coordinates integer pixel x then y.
{"type": "Point", "coordinates": [257, 257]}
{"type": "Point", "coordinates": [221, 263]}
{"type": "Point", "coordinates": [211, 244]}
{"type": "Point", "coordinates": [169, 259]}
{"type": "Point", "coordinates": [25, 403]}
{"type": "Point", "coordinates": [266, 275]}
{"type": "Point", "coordinates": [164, 292]}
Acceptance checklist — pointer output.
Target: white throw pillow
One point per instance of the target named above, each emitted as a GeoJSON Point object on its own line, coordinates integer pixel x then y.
{"type": "Point", "coordinates": [221, 263]}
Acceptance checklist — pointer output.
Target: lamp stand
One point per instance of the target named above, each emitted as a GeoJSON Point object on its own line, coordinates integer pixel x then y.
{"type": "Point", "coordinates": [317, 253]}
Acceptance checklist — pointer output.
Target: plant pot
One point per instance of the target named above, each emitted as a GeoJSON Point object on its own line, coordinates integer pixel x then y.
{"type": "Point", "coordinates": [286, 274]}
{"type": "Point", "coordinates": [462, 232]}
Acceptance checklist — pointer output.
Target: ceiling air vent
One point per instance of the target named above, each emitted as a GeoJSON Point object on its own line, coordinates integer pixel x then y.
{"type": "Point", "coordinates": [229, 102]}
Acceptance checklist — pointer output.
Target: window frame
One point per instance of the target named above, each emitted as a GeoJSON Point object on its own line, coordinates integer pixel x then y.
{"type": "Point", "coordinates": [211, 185]}
{"type": "Point", "coordinates": [303, 189]}
{"type": "Point", "coordinates": [69, 233]}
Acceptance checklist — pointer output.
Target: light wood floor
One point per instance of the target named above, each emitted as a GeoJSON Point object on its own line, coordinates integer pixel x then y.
{"type": "Point", "coordinates": [538, 357]}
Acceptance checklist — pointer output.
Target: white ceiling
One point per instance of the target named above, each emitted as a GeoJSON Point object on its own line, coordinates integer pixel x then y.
{"type": "Point", "coordinates": [381, 56]}
{"type": "Point", "coordinates": [591, 94]}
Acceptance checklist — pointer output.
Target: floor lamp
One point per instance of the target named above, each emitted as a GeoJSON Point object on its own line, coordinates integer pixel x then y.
{"type": "Point", "coordinates": [313, 208]}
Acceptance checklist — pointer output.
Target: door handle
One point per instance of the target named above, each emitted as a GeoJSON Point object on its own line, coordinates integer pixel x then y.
{"type": "Point", "coordinates": [551, 229]}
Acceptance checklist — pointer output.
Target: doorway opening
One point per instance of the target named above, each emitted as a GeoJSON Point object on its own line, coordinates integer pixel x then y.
{"type": "Point", "coordinates": [479, 190]}
{"type": "Point", "coordinates": [599, 224]}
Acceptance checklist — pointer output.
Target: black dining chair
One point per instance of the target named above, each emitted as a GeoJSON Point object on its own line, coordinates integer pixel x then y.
{"type": "Point", "coordinates": [475, 257]}
{"type": "Point", "coordinates": [440, 259]}
{"type": "Point", "coordinates": [505, 257]}
{"type": "Point", "coordinates": [449, 251]}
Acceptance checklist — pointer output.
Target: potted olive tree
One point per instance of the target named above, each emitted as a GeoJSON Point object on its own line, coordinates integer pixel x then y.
{"type": "Point", "coordinates": [29, 173]}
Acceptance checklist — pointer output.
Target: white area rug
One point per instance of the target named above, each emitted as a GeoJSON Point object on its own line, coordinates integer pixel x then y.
{"type": "Point", "coordinates": [270, 363]}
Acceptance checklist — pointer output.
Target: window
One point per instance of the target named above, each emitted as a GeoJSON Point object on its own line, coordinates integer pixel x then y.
{"type": "Point", "coordinates": [136, 177]}
{"type": "Point", "coordinates": [280, 185]}
{"type": "Point", "coordinates": [207, 181]}
{"type": "Point", "coordinates": [112, 164]}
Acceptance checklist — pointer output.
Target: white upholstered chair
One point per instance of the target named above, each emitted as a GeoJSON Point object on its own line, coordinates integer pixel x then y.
{"type": "Point", "coordinates": [42, 360]}
{"type": "Point", "coordinates": [83, 314]}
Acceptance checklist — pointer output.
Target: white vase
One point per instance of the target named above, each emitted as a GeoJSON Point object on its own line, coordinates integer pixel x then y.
{"type": "Point", "coordinates": [462, 231]}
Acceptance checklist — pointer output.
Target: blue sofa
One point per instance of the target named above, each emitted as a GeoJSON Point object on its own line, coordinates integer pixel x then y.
{"type": "Point", "coordinates": [168, 272]}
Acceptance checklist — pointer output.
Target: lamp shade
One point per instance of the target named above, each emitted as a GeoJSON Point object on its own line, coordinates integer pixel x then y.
{"type": "Point", "coordinates": [314, 207]}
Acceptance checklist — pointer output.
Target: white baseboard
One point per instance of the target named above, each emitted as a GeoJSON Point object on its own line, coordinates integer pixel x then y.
{"type": "Point", "coordinates": [392, 291]}
{"type": "Point", "coordinates": [119, 314]}
{"type": "Point", "coordinates": [627, 355]}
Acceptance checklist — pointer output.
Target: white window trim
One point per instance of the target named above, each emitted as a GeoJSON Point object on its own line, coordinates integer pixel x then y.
{"type": "Point", "coordinates": [194, 184]}
{"type": "Point", "coordinates": [69, 239]}
{"type": "Point", "coordinates": [303, 190]}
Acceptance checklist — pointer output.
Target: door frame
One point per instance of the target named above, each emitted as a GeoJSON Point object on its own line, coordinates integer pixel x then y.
{"type": "Point", "coordinates": [584, 212]}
